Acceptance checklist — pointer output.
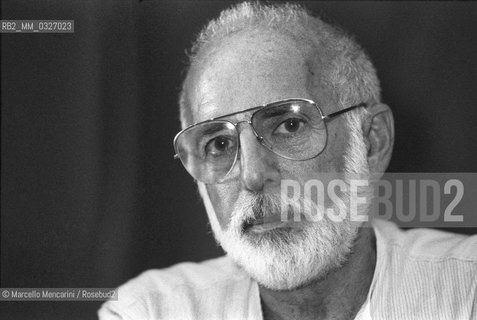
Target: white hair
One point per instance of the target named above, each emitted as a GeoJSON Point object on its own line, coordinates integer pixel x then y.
{"type": "Point", "coordinates": [343, 66]}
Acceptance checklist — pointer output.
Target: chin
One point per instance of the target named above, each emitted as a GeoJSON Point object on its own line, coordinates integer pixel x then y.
{"type": "Point", "coordinates": [286, 259]}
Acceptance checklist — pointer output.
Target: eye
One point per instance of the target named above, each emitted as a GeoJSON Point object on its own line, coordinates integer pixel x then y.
{"type": "Point", "coordinates": [220, 145]}
{"type": "Point", "coordinates": [290, 125]}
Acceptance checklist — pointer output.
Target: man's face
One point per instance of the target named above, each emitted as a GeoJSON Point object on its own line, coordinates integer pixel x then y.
{"type": "Point", "coordinates": [243, 71]}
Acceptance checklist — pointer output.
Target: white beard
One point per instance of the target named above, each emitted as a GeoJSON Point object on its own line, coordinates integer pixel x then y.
{"type": "Point", "coordinates": [284, 259]}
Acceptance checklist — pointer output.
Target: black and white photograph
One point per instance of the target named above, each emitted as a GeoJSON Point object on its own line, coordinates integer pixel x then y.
{"type": "Point", "coordinates": [238, 160]}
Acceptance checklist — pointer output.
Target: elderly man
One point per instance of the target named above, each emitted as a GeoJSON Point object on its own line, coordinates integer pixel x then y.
{"type": "Point", "coordinates": [272, 95]}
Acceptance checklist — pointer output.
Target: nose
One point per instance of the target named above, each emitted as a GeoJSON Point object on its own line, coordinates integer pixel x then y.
{"type": "Point", "coordinates": [258, 166]}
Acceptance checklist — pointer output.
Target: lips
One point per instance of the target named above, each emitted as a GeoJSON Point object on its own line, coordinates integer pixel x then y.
{"type": "Point", "coordinates": [264, 227]}
{"type": "Point", "coordinates": [267, 216]}
{"type": "Point", "coordinates": [262, 224]}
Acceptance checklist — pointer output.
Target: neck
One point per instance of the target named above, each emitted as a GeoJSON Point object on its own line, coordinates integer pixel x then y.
{"type": "Point", "coordinates": [338, 295]}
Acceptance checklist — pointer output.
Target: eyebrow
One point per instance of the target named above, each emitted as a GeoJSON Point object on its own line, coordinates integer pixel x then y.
{"type": "Point", "coordinates": [213, 128]}
{"type": "Point", "coordinates": [275, 111]}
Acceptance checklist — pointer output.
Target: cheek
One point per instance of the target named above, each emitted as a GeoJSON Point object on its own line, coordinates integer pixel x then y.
{"type": "Point", "coordinates": [332, 159]}
{"type": "Point", "coordinates": [223, 198]}
{"type": "Point", "coordinates": [326, 164]}
{"type": "Point", "coordinates": [325, 167]}
{"type": "Point", "coordinates": [329, 162]}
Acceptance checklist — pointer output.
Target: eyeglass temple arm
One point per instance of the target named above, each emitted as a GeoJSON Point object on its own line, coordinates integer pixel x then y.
{"type": "Point", "coordinates": [337, 113]}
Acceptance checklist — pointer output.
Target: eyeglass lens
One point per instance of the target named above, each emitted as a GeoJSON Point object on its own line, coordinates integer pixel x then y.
{"type": "Point", "coordinates": [293, 130]}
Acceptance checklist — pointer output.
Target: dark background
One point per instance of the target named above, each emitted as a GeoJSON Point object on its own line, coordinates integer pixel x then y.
{"type": "Point", "coordinates": [90, 194]}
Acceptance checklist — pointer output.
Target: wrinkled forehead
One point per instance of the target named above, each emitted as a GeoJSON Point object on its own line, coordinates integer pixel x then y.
{"type": "Point", "coordinates": [245, 70]}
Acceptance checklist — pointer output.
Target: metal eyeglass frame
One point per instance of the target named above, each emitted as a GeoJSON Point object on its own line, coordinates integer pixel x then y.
{"type": "Point", "coordinates": [262, 141]}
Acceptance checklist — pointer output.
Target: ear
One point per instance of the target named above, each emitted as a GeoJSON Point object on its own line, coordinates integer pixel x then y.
{"type": "Point", "coordinates": [378, 131]}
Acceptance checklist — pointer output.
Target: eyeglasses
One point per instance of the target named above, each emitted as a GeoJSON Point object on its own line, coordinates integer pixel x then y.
{"type": "Point", "coordinates": [293, 129]}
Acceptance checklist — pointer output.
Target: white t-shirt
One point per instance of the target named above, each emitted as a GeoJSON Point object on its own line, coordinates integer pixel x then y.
{"type": "Point", "coordinates": [420, 274]}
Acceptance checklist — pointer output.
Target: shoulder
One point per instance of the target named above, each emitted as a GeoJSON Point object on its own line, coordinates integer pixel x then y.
{"type": "Point", "coordinates": [425, 273]}
{"type": "Point", "coordinates": [173, 292]}
{"type": "Point", "coordinates": [427, 244]}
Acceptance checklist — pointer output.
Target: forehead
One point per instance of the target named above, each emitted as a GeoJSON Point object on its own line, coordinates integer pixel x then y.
{"type": "Point", "coordinates": [245, 70]}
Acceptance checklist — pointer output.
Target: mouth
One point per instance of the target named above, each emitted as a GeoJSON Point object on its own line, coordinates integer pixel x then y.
{"type": "Point", "coordinates": [265, 227]}
{"type": "Point", "coordinates": [268, 216]}
{"type": "Point", "coordinates": [262, 224]}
